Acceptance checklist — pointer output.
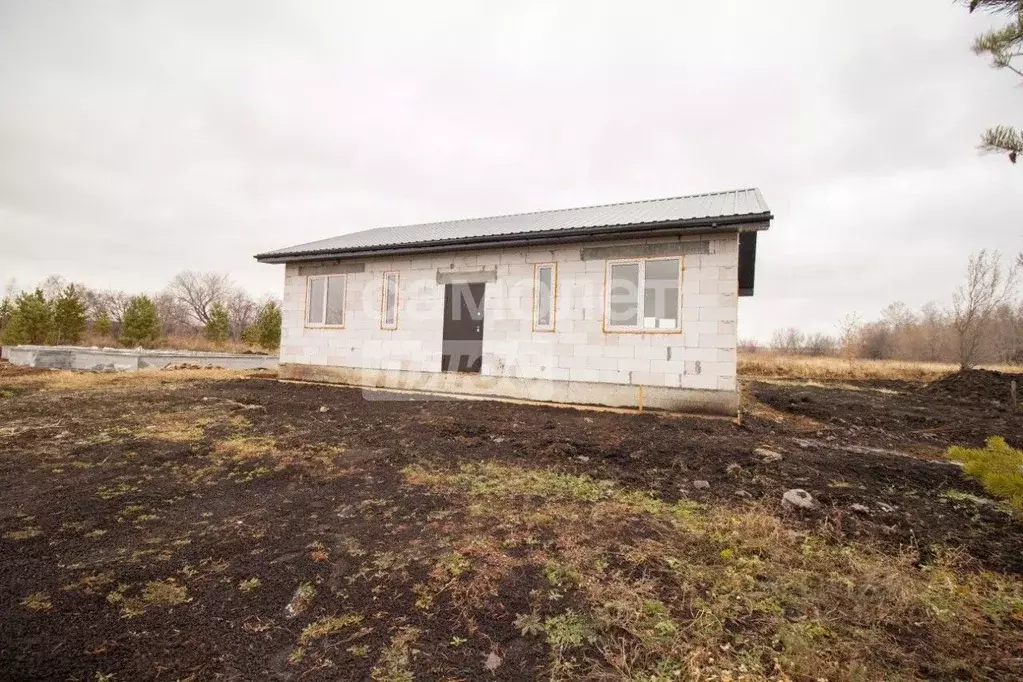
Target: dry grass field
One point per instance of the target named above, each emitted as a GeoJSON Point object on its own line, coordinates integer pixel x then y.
{"type": "Point", "coordinates": [772, 365]}
{"type": "Point", "coordinates": [203, 524]}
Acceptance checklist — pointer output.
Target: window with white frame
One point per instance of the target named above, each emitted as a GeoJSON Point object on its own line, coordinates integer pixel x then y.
{"type": "Point", "coordinates": [644, 295]}
{"type": "Point", "coordinates": [325, 301]}
{"type": "Point", "coordinates": [389, 301]}
{"type": "Point", "coordinates": [544, 287]}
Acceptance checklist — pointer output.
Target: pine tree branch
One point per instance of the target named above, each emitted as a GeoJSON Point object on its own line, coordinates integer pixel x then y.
{"type": "Point", "coordinates": [1007, 6]}
{"type": "Point", "coordinates": [1002, 45]}
{"type": "Point", "coordinates": [1000, 42]}
{"type": "Point", "coordinates": [1002, 139]}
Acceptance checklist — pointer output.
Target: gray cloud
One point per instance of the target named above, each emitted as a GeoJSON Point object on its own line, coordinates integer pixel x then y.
{"type": "Point", "coordinates": [141, 138]}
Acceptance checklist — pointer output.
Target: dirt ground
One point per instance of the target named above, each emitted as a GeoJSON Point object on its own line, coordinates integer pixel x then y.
{"type": "Point", "coordinates": [252, 529]}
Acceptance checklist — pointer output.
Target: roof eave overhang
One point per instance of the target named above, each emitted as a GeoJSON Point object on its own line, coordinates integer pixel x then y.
{"type": "Point", "coordinates": [743, 223]}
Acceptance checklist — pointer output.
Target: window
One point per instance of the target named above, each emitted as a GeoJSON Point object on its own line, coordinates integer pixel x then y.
{"type": "Point", "coordinates": [643, 294]}
{"type": "Point", "coordinates": [543, 297]}
{"type": "Point", "coordinates": [325, 301]}
{"type": "Point", "coordinates": [389, 301]}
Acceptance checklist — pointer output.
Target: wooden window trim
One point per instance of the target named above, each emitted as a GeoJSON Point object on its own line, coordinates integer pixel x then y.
{"type": "Point", "coordinates": [608, 329]}
{"type": "Point", "coordinates": [344, 304]}
{"type": "Point", "coordinates": [383, 300]}
{"type": "Point", "coordinates": [535, 312]}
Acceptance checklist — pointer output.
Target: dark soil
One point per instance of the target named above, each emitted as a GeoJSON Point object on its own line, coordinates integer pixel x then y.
{"type": "Point", "coordinates": [80, 473]}
{"type": "Point", "coordinates": [984, 386]}
{"type": "Point", "coordinates": [909, 416]}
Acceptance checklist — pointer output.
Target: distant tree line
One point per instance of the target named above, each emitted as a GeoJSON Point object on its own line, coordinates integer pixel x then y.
{"type": "Point", "coordinates": [198, 305]}
{"type": "Point", "coordinates": [983, 323]}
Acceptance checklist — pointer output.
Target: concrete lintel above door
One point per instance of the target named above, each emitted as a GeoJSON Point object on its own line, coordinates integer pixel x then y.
{"type": "Point", "coordinates": [481, 276]}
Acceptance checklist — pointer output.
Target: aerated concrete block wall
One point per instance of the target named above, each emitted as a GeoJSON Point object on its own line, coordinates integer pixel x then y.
{"type": "Point", "coordinates": [701, 356]}
{"type": "Point", "coordinates": [126, 359]}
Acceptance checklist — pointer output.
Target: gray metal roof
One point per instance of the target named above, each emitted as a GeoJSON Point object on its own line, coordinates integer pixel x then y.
{"type": "Point", "coordinates": [729, 206]}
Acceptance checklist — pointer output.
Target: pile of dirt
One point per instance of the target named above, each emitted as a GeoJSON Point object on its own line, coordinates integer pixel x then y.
{"type": "Point", "coordinates": [982, 385]}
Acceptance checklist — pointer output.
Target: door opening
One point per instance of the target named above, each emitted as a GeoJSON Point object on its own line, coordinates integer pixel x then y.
{"type": "Point", "coordinates": [462, 348]}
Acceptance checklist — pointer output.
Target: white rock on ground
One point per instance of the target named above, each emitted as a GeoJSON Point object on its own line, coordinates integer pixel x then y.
{"type": "Point", "coordinates": [701, 485]}
{"type": "Point", "coordinates": [492, 662]}
{"type": "Point", "coordinates": [798, 498]}
{"type": "Point", "coordinates": [767, 455]}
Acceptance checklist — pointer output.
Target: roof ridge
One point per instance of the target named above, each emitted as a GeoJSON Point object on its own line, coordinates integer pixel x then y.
{"type": "Point", "coordinates": [561, 210]}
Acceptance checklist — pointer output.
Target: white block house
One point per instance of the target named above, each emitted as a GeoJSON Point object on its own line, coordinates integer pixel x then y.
{"type": "Point", "coordinates": [626, 305]}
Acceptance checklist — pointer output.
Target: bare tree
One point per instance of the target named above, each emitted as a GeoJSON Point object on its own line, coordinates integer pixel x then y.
{"type": "Point", "coordinates": [820, 343]}
{"type": "Point", "coordinates": [114, 304]}
{"type": "Point", "coordinates": [987, 287]}
{"type": "Point", "coordinates": [877, 340]}
{"type": "Point", "coordinates": [52, 286]}
{"type": "Point", "coordinates": [849, 336]}
{"type": "Point", "coordinates": [749, 346]}
{"type": "Point", "coordinates": [933, 342]}
{"type": "Point", "coordinates": [11, 289]}
{"type": "Point", "coordinates": [789, 340]}
{"type": "Point", "coordinates": [241, 312]}
{"type": "Point", "coordinates": [1006, 333]}
{"type": "Point", "coordinates": [175, 317]}
{"type": "Point", "coordinates": [198, 291]}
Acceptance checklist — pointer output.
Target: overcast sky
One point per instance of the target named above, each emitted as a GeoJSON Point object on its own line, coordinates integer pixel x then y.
{"type": "Point", "coordinates": [138, 139]}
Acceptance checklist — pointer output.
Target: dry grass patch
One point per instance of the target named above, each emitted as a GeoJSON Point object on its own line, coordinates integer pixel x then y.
{"type": "Point", "coordinates": [67, 380]}
{"type": "Point", "coordinates": [176, 427]}
{"type": "Point", "coordinates": [91, 583]}
{"type": "Point", "coordinates": [239, 421]}
{"type": "Point", "coordinates": [37, 601]}
{"type": "Point", "coordinates": [769, 365]}
{"type": "Point", "coordinates": [109, 492]}
{"type": "Point", "coordinates": [643, 589]}
{"type": "Point", "coordinates": [240, 448]}
{"type": "Point", "coordinates": [23, 534]}
{"type": "Point", "coordinates": [395, 662]}
{"type": "Point", "coordinates": [316, 459]}
{"type": "Point", "coordinates": [326, 627]}
{"type": "Point", "coordinates": [167, 592]}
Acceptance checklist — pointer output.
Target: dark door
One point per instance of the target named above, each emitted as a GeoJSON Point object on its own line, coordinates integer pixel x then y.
{"type": "Point", "coordinates": [462, 350]}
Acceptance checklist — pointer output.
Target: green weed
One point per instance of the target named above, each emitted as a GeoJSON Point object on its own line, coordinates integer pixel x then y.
{"type": "Point", "coordinates": [394, 664]}
{"type": "Point", "coordinates": [300, 601]}
{"type": "Point", "coordinates": [327, 626]}
{"type": "Point", "coordinates": [998, 467]}
{"type": "Point", "coordinates": [249, 585]}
